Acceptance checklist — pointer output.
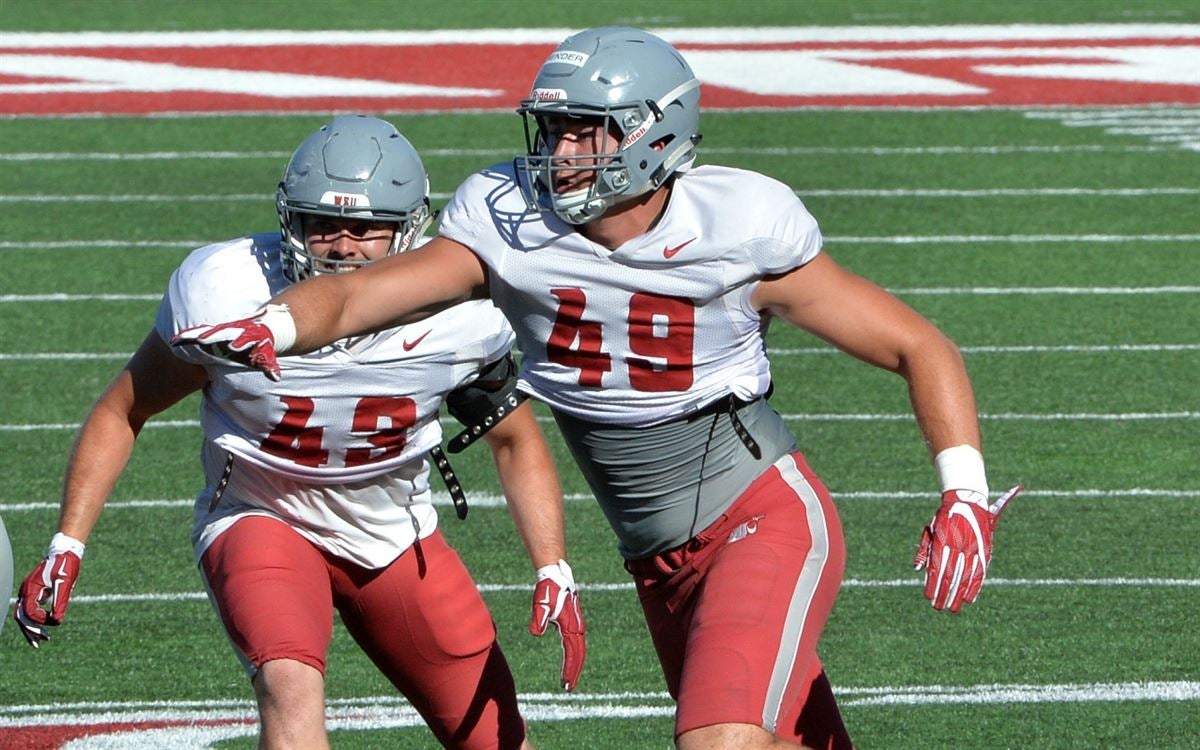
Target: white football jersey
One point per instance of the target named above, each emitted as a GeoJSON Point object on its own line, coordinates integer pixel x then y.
{"type": "Point", "coordinates": [656, 328]}
{"type": "Point", "coordinates": [337, 447]}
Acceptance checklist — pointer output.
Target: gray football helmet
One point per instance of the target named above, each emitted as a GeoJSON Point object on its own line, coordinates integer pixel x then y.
{"type": "Point", "coordinates": [354, 167]}
{"type": "Point", "coordinates": [645, 93]}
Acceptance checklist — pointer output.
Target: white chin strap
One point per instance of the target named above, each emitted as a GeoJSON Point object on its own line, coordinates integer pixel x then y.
{"type": "Point", "coordinates": [575, 207]}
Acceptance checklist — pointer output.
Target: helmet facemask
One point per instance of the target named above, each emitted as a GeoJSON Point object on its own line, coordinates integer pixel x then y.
{"type": "Point", "coordinates": [299, 262]}
{"type": "Point", "coordinates": [648, 151]}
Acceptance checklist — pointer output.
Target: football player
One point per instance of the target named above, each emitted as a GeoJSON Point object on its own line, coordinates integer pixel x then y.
{"type": "Point", "coordinates": [318, 495]}
{"type": "Point", "coordinates": [640, 287]}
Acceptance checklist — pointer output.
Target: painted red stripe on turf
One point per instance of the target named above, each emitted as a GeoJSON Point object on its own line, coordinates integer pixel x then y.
{"type": "Point", "coordinates": [506, 69]}
{"type": "Point", "coordinates": [55, 736]}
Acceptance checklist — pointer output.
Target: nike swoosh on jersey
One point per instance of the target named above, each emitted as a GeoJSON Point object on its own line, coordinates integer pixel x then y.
{"type": "Point", "coordinates": [410, 345]}
{"type": "Point", "coordinates": [669, 252]}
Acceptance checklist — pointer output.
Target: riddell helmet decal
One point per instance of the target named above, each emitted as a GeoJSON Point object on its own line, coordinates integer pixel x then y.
{"type": "Point", "coordinates": [548, 95]}
{"type": "Point", "coordinates": [636, 135]}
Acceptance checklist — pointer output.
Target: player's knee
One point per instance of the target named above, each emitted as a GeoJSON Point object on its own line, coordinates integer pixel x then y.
{"type": "Point", "coordinates": [730, 737]}
{"type": "Point", "coordinates": [291, 705]}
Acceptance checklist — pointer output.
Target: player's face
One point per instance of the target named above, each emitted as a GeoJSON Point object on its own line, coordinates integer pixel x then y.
{"type": "Point", "coordinates": [345, 239]}
{"type": "Point", "coordinates": [578, 143]}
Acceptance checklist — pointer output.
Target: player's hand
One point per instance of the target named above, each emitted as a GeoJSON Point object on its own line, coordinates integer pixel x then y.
{"type": "Point", "coordinates": [43, 597]}
{"type": "Point", "coordinates": [956, 547]}
{"type": "Point", "coordinates": [556, 601]}
{"type": "Point", "coordinates": [252, 341]}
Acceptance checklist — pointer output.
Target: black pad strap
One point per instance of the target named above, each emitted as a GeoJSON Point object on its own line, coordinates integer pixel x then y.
{"type": "Point", "coordinates": [729, 405]}
{"type": "Point", "coordinates": [222, 483]}
{"type": "Point", "coordinates": [481, 404]}
{"type": "Point", "coordinates": [444, 468]}
{"type": "Point", "coordinates": [490, 420]}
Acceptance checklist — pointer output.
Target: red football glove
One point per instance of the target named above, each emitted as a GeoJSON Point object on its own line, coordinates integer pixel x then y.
{"type": "Point", "coordinates": [49, 584]}
{"type": "Point", "coordinates": [556, 600]}
{"type": "Point", "coordinates": [251, 341]}
{"type": "Point", "coordinates": [956, 547]}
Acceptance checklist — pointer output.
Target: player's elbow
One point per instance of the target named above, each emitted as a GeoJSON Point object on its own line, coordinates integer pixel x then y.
{"type": "Point", "coordinates": [932, 349]}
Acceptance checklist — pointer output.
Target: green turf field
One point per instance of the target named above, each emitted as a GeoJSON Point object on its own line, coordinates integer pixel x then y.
{"type": "Point", "coordinates": [1063, 260]}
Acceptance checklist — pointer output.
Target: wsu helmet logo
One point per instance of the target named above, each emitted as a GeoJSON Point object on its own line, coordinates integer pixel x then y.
{"type": "Point", "coordinates": [345, 200]}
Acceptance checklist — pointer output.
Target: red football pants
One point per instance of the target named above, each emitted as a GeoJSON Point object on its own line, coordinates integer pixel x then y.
{"type": "Point", "coordinates": [421, 620]}
{"type": "Point", "coordinates": [736, 612]}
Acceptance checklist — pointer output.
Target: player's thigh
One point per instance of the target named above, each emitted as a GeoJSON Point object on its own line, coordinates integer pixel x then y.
{"type": "Point", "coordinates": [423, 622]}
{"type": "Point", "coordinates": [271, 588]}
{"type": "Point", "coordinates": [767, 593]}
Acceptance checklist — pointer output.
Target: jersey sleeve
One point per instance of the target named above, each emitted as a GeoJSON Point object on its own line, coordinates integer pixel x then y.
{"type": "Point", "coordinates": [457, 221]}
{"type": "Point", "coordinates": [486, 336]}
{"type": "Point", "coordinates": [213, 284]}
{"type": "Point", "coordinates": [486, 213]}
{"type": "Point", "coordinates": [792, 237]}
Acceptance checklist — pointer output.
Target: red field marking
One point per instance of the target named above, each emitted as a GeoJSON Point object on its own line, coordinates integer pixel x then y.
{"type": "Point", "coordinates": [249, 74]}
{"type": "Point", "coordinates": [53, 737]}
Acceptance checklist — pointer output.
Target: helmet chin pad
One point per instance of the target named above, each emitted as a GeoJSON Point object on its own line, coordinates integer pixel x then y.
{"type": "Point", "coordinates": [580, 206]}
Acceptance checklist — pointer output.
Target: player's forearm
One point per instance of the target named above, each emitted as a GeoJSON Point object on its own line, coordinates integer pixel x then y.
{"type": "Point", "coordinates": [530, 482]}
{"type": "Point", "coordinates": [319, 313]}
{"type": "Point", "coordinates": [100, 454]}
{"type": "Point", "coordinates": [941, 394]}
{"type": "Point", "coordinates": [150, 382]}
{"type": "Point", "coordinates": [392, 291]}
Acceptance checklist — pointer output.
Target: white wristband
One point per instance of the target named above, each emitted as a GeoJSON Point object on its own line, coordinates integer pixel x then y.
{"type": "Point", "coordinates": [278, 319]}
{"type": "Point", "coordinates": [60, 543]}
{"type": "Point", "coordinates": [961, 468]}
{"type": "Point", "coordinates": [560, 573]}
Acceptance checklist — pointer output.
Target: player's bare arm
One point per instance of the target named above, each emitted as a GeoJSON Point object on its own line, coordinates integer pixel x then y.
{"type": "Point", "coordinates": [395, 290]}
{"type": "Point", "coordinates": [153, 380]}
{"type": "Point", "coordinates": [867, 322]}
{"type": "Point", "coordinates": [530, 483]}
{"type": "Point", "coordinates": [860, 318]}
{"type": "Point", "coordinates": [531, 486]}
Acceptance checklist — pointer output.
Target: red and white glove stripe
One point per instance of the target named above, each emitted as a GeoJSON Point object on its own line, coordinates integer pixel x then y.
{"type": "Point", "coordinates": [556, 601]}
{"type": "Point", "coordinates": [45, 593]}
{"type": "Point", "coordinates": [256, 341]}
{"type": "Point", "coordinates": [956, 547]}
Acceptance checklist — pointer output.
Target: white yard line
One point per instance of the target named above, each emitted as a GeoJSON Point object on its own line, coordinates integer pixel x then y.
{"type": "Point", "coordinates": [593, 587]}
{"type": "Point", "coordinates": [491, 500]}
{"type": "Point", "coordinates": [500, 153]}
{"type": "Point", "coordinates": [775, 352]}
{"type": "Point", "coordinates": [989, 291]}
{"type": "Point", "coordinates": [199, 724]}
{"type": "Point", "coordinates": [987, 193]}
{"type": "Point", "coordinates": [676, 35]}
{"type": "Point", "coordinates": [1140, 416]}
